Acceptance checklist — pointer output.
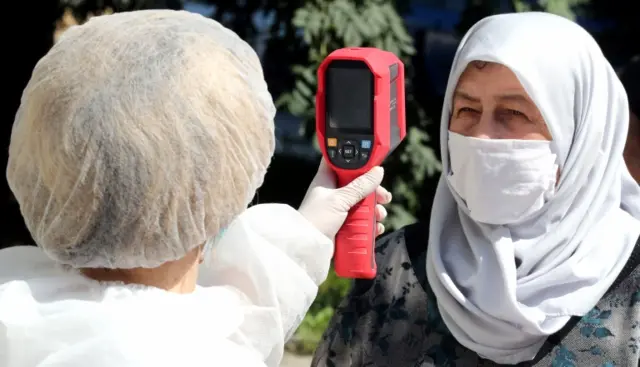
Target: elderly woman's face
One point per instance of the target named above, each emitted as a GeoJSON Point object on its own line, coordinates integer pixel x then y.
{"type": "Point", "coordinates": [490, 103]}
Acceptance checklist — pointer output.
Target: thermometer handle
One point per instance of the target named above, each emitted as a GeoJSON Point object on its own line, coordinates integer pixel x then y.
{"type": "Point", "coordinates": [355, 241]}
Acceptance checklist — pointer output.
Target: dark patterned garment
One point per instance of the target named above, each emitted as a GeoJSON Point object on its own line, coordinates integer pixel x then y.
{"type": "Point", "coordinates": [393, 320]}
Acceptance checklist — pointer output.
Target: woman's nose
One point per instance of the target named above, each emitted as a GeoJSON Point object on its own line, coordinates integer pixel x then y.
{"type": "Point", "coordinates": [486, 128]}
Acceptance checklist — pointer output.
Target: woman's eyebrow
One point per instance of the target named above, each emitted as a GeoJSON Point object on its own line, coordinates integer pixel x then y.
{"type": "Point", "coordinates": [465, 96]}
{"type": "Point", "coordinates": [512, 97]}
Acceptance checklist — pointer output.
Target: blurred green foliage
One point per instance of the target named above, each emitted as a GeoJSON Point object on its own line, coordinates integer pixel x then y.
{"type": "Point", "coordinates": [566, 8]}
{"type": "Point", "coordinates": [308, 335]}
{"type": "Point", "coordinates": [327, 25]}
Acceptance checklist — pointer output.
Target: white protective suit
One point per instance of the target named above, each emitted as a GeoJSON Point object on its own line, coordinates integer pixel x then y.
{"type": "Point", "coordinates": [266, 273]}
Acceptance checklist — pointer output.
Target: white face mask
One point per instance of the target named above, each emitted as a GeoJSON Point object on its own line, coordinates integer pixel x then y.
{"type": "Point", "coordinates": [501, 181]}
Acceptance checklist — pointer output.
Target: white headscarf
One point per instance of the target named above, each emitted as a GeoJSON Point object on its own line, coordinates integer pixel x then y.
{"type": "Point", "coordinates": [576, 245]}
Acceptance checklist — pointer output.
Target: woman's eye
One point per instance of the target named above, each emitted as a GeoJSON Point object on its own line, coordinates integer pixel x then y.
{"type": "Point", "coordinates": [465, 109]}
{"type": "Point", "coordinates": [516, 113]}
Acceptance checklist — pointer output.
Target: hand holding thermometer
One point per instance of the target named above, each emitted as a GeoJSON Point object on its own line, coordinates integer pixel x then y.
{"type": "Point", "coordinates": [360, 120]}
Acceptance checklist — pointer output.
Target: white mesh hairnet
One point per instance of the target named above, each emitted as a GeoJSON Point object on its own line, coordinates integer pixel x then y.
{"type": "Point", "coordinates": [140, 135]}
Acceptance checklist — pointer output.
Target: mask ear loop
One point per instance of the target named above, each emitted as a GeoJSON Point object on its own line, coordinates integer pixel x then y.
{"type": "Point", "coordinates": [209, 245]}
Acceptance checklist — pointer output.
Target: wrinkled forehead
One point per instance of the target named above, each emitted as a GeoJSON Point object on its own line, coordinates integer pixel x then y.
{"type": "Point", "coordinates": [547, 55]}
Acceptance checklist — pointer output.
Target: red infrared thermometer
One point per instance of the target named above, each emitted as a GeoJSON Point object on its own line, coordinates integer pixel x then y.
{"type": "Point", "coordinates": [360, 120]}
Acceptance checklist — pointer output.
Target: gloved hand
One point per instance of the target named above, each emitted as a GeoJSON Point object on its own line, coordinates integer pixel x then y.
{"type": "Point", "coordinates": [326, 207]}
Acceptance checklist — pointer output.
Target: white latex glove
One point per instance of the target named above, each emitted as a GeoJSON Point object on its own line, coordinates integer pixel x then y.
{"type": "Point", "coordinates": [326, 207]}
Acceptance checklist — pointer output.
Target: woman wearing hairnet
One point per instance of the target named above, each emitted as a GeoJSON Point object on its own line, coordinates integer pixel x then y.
{"type": "Point", "coordinates": [140, 140]}
{"type": "Point", "coordinates": [531, 256]}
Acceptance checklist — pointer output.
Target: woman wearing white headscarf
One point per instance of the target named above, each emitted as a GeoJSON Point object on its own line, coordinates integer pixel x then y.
{"type": "Point", "coordinates": [139, 142]}
{"type": "Point", "coordinates": [530, 256]}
